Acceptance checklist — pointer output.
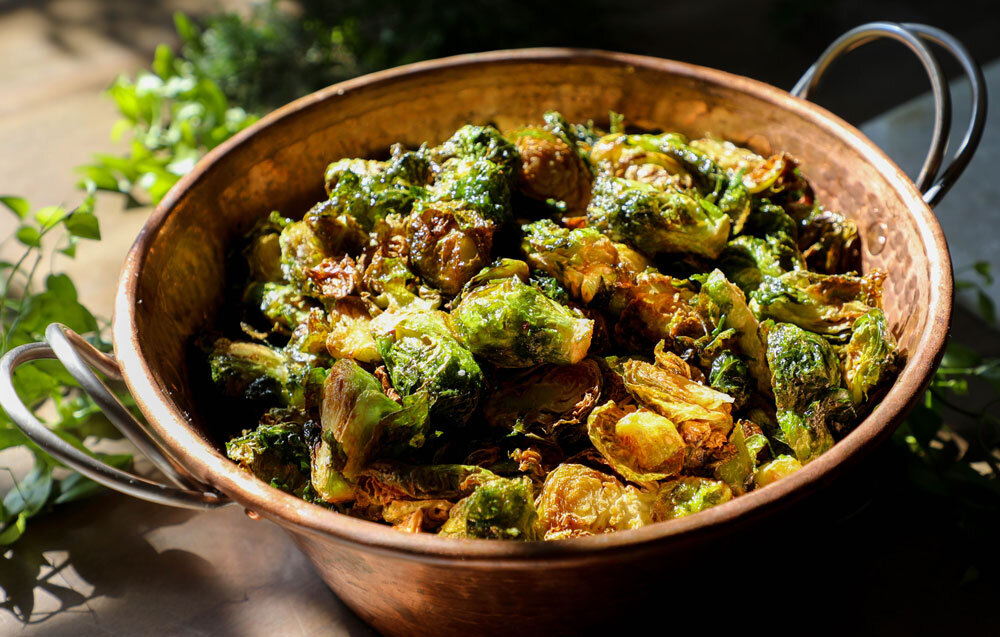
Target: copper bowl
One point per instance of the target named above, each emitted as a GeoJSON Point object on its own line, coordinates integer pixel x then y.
{"type": "Point", "coordinates": [173, 282]}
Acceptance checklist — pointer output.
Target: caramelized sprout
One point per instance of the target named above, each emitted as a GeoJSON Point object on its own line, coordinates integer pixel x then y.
{"type": "Point", "coordinates": [577, 501]}
{"type": "Point", "coordinates": [639, 444]}
{"type": "Point", "coordinates": [498, 509]}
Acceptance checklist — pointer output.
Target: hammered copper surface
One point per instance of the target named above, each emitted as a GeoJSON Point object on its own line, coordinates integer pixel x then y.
{"type": "Point", "coordinates": [173, 281]}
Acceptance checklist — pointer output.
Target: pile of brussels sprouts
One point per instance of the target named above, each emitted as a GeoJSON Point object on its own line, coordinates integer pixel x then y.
{"type": "Point", "coordinates": [548, 333]}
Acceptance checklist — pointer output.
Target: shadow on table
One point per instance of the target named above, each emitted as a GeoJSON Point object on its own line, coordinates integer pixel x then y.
{"type": "Point", "coordinates": [95, 567]}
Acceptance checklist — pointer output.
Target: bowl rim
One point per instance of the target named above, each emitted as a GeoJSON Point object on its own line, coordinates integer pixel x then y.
{"type": "Point", "coordinates": [169, 425]}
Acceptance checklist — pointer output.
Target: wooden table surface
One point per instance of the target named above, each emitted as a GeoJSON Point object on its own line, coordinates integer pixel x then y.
{"type": "Point", "coordinates": [113, 565]}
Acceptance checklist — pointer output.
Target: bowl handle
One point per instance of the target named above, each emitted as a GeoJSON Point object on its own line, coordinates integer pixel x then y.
{"type": "Point", "coordinates": [80, 359]}
{"type": "Point", "coordinates": [912, 35]}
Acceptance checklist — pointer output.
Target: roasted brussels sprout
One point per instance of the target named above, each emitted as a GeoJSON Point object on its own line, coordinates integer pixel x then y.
{"type": "Point", "coordinates": [826, 304]}
{"type": "Point", "coordinates": [582, 260]}
{"type": "Point", "coordinates": [448, 244]}
{"type": "Point", "coordinates": [806, 378]}
{"type": "Point", "coordinates": [684, 496]}
{"type": "Point", "coordinates": [277, 451]}
{"type": "Point", "coordinates": [552, 166]}
{"type": "Point", "coordinates": [368, 191]}
{"type": "Point", "coordinates": [251, 372]}
{"type": "Point", "coordinates": [512, 324]}
{"type": "Point", "coordinates": [730, 374]}
{"type": "Point", "coordinates": [577, 501]}
{"type": "Point", "coordinates": [639, 444]}
{"type": "Point", "coordinates": [776, 470]}
{"type": "Point", "coordinates": [280, 303]}
{"type": "Point", "coordinates": [479, 185]}
{"type": "Point", "coordinates": [737, 471]}
{"type": "Point", "coordinates": [656, 222]}
{"type": "Point", "coordinates": [498, 509]}
{"type": "Point", "coordinates": [422, 355]}
{"type": "Point", "coordinates": [363, 422]}
{"type": "Point", "coordinates": [384, 482]}
{"type": "Point", "coordinates": [545, 398]}
{"type": "Point", "coordinates": [479, 142]}
{"type": "Point", "coordinates": [870, 356]}
{"type": "Point", "coordinates": [829, 242]}
{"type": "Point", "coordinates": [653, 308]}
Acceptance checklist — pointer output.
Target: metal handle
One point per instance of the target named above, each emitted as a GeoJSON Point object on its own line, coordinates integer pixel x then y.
{"type": "Point", "coordinates": [79, 357]}
{"type": "Point", "coordinates": [912, 35]}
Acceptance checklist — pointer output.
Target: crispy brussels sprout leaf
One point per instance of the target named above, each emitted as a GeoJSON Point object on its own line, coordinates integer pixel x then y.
{"type": "Point", "coordinates": [327, 482]}
{"type": "Point", "coordinates": [829, 242]}
{"type": "Point", "coordinates": [545, 398]}
{"type": "Point", "coordinates": [512, 324]}
{"type": "Point", "coordinates": [498, 509]}
{"type": "Point", "coordinates": [746, 260]}
{"type": "Point", "coordinates": [871, 356]}
{"type": "Point", "coordinates": [687, 495]}
{"type": "Point", "coordinates": [725, 306]}
{"type": "Point", "coordinates": [384, 482]}
{"type": "Point", "coordinates": [415, 516]}
{"type": "Point", "coordinates": [656, 222]}
{"type": "Point", "coordinates": [363, 421]}
{"type": "Point", "coordinates": [639, 444]}
{"type": "Point", "coordinates": [826, 304]}
{"type": "Point", "coordinates": [737, 471]}
{"type": "Point", "coordinates": [730, 374]}
{"type": "Point", "coordinates": [775, 470]}
{"type": "Point", "coordinates": [577, 501]}
{"type": "Point", "coordinates": [421, 354]}
{"type": "Point", "coordinates": [667, 388]}
{"type": "Point", "coordinates": [277, 451]}
{"type": "Point", "coordinates": [639, 158]}
{"type": "Point", "coordinates": [653, 308]}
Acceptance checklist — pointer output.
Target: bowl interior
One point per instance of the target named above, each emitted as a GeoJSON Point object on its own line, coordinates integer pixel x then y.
{"type": "Point", "coordinates": [174, 279]}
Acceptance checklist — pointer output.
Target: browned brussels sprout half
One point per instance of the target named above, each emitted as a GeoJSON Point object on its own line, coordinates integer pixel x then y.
{"type": "Point", "coordinates": [654, 221]}
{"type": "Point", "coordinates": [577, 501]}
{"type": "Point", "coordinates": [448, 244]}
{"type": "Point", "coordinates": [684, 496]}
{"type": "Point", "coordinates": [639, 444]}
{"type": "Point", "coordinates": [422, 355]}
{"type": "Point", "coordinates": [362, 421]}
{"type": "Point", "coordinates": [806, 378]}
{"type": "Point", "coordinates": [512, 324]}
{"type": "Point", "coordinates": [498, 509]}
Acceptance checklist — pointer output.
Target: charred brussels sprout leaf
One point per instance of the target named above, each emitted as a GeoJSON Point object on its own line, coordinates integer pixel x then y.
{"type": "Point", "coordinates": [806, 378]}
{"type": "Point", "coordinates": [499, 509]}
{"type": "Point", "coordinates": [512, 324]}
{"type": "Point", "coordinates": [577, 501]}
{"type": "Point", "coordinates": [870, 357]}
{"type": "Point", "coordinates": [656, 222]}
{"type": "Point", "coordinates": [640, 158]}
{"type": "Point", "coordinates": [684, 496]}
{"type": "Point", "coordinates": [384, 482]}
{"type": "Point", "coordinates": [829, 242]}
{"type": "Point", "coordinates": [362, 421]}
{"type": "Point", "coordinates": [422, 355]}
{"type": "Point", "coordinates": [640, 444]}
